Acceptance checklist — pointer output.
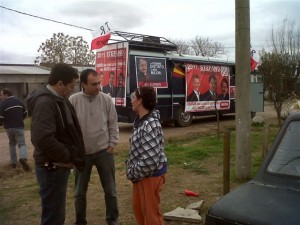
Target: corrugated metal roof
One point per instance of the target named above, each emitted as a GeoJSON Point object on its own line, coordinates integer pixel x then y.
{"type": "Point", "coordinates": [23, 69]}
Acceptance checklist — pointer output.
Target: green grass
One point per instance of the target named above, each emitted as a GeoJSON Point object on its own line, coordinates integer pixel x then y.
{"type": "Point", "coordinates": [189, 153]}
{"type": "Point", "coordinates": [193, 154]}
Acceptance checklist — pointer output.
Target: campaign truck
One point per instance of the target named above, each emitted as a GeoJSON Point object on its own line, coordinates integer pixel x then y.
{"type": "Point", "coordinates": [186, 85]}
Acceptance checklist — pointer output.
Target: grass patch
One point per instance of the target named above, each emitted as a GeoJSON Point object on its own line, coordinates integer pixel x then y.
{"type": "Point", "coordinates": [194, 162]}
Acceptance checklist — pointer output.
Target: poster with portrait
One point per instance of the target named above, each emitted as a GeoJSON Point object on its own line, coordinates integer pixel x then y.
{"type": "Point", "coordinates": [151, 72]}
{"type": "Point", "coordinates": [111, 65]}
{"type": "Point", "coordinates": [207, 87]}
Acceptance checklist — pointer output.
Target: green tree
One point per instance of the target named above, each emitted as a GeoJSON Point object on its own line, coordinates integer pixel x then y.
{"type": "Point", "coordinates": [67, 49]}
{"type": "Point", "coordinates": [280, 62]}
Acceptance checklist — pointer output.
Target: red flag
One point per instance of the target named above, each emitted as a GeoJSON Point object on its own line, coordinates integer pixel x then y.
{"type": "Point", "coordinates": [99, 42]}
{"type": "Point", "coordinates": [253, 64]}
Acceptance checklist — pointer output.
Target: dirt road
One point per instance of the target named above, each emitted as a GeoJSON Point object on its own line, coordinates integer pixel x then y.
{"type": "Point", "coordinates": [201, 125]}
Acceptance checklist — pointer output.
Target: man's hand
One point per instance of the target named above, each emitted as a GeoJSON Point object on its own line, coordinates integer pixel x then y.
{"type": "Point", "coordinates": [110, 149]}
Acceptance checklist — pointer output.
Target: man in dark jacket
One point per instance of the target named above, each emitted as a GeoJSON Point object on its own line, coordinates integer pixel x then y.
{"type": "Point", "coordinates": [12, 114]}
{"type": "Point", "coordinates": [57, 140]}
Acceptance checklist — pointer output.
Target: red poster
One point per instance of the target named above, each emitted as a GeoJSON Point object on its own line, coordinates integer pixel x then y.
{"type": "Point", "coordinates": [111, 65]}
{"type": "Point", "coordinates": [207, 87]}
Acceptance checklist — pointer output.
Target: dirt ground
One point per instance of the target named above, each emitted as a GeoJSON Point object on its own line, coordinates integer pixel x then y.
{"type": "Point", "coordinates": [208, 185]}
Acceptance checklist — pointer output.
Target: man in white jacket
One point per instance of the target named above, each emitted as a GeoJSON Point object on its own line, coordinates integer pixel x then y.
{"type": "Point", "coordinates": [99, 123]}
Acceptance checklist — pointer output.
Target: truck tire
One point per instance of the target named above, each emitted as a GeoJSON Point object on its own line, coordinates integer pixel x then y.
{"type": "Point", "coordinates": [184, 119]}
{"type": "Point", "coordinates": [253, 114]}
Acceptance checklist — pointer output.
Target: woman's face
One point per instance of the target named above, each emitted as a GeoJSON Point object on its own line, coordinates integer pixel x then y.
{"type": "Point", "coordinates": [136, 103]}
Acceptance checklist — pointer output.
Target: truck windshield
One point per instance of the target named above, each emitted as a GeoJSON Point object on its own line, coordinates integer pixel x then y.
{"type": "Point", "coordinates": [286, 159]}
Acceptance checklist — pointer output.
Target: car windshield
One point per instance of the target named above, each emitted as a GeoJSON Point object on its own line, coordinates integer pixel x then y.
{"type": "Point", "coordinates": [286, 159]}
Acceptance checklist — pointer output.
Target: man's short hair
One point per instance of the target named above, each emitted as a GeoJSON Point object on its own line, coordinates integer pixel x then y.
{"type": "Point", "coordinates": [85, 73]}
{"type": "Point", "coordinates": [7, 92]}
{"type": "Point", "coordinates": [226, 81]}
{"type": "Point", "coordinates": [212, 77]}
{"type": "Point", "coordinates": [195, 76]}
{"type": "Point", "coordinates": [62, 72]}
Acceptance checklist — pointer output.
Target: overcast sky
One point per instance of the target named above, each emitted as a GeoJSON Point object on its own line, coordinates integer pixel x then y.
{"type": "Point", "coordinates": [22, 35]}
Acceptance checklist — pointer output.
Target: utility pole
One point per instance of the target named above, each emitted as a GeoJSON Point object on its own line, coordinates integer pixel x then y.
{"type": "Point", "coordinates": [242, 82]}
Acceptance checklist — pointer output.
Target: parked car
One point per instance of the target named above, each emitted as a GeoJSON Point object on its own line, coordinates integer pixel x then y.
{"type": "Point", "coordinates": [273, 196]}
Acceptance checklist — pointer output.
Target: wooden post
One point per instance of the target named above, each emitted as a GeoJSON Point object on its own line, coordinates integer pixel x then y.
{"type": "Point", "coordinates": [226, 163]}
{"type": "Point", "coordinates": [265, 141]}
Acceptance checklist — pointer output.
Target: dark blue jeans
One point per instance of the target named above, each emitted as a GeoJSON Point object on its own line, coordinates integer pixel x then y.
{"type": "Point", "coordinates": [53, 188]}
{"type": "Point", "coordinates": [105, 165]}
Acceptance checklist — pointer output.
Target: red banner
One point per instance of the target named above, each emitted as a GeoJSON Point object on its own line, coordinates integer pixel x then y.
{"type": "Point", "coordinates": [111, 65]}
{"type": "Point", "coordinates": [207, 87]}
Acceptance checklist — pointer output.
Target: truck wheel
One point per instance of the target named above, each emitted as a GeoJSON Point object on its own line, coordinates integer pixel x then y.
{"type": "Point", "coordinates": [184, 119]}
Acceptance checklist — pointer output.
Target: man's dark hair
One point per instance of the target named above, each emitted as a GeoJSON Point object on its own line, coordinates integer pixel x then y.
{"type": "Point", "coordinates": [195, 76]}
{"type": "Point", "coordinates": [62, 72]}
{"type": "Point", "coordinates": [226, 81]}
{"type": "Point", "coordinates": [212, 77]}
{"type": "Point", "coordinates": [85, 73]}
{"type": "Point", "coordinates": [7, 92]}
{"type": "Point", "coordinates": [148, 96]}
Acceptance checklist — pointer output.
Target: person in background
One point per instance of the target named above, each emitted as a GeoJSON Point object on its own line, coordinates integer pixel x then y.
{"type": "Point", "coordinates": [120, 89]}
{"type": "Point", "coordinates": [109, 88]}
{"type": "Point", "coordinates": [57, 140]}
{"type": "Point", "coordinates": [195, 95]}
{"type": "Point", "coordinates": [147, 163]}
{"type": "Point", "coordinates": [211, 94]}
{"type": "Point", "coordinates": [224, 87]}
{"type": "Point", "coordinates": [143, 74]}
{"type": "Point", "coordinates": [12, 115]}
{"type": "Point", "coordinates": [99, 123]}
{"type": "Point", "coordinates": [101, 76]}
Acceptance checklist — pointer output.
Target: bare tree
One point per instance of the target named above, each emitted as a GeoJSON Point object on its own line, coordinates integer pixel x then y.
{"type": "Point", "coordinates": [204, 46]}
{"type": "Point", "coordinates": [280, 63]}
{"type": "Point", "coordinates": [67, 49]}
{"type": "Point", "coordinates": [184, 47]}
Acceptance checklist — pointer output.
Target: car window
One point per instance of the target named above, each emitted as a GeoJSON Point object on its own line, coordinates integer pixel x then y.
{"type": "Point", "coordinates": [286, 159]}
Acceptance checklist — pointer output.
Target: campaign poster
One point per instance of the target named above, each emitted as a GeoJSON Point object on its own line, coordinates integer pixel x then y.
{"type": "Point", "coordinates": [207, 87]}
{"type": "Point", "coordinates": [111, 65]}
{"type": "Point", "coordinates": [151, 72]}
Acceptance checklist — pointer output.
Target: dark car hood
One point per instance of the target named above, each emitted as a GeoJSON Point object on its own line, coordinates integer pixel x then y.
{"type": "Point", "coordinates": [270, 205]}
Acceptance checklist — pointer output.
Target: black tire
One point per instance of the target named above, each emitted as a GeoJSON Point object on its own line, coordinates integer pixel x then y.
{"type": "Point", "coordinates": [184, 119]}
{"type": "Point", "coordinates": [253, 114]}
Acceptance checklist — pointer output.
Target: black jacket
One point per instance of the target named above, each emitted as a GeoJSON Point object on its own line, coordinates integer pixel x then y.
{"type": "Point", "coordinates": [193, 97]}
{"type": "Point", "coordinates": [53, 137]}
{"type": "Point", "coordinates": [12, 113]}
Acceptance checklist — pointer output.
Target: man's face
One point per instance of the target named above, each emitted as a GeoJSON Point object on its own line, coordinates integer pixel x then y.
{"type": "Point", "coordinates": [120, 81]}
{"type": "Point", "coordinates": [224, 87]}
{"type": "Point", "coordinates": [101, 78]}
{"type": "Point", "coordinates": [143, 66]}
{"type": "Point", "coordinates": [111, 78]}
{"type": "Point", "coordinates": [92, 86]}
{"type": "Point", "coordinates": [213, 85]}
{"type": "Point", "coordinates": [66, 90]}
{"type": "Point", "coordinates": [196, 84]}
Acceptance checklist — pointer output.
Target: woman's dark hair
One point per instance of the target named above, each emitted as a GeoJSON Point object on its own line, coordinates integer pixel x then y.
{"type": "Point", "coordinates": [148, 96]}
{"type": "Point", "coordinates": [62, 72]}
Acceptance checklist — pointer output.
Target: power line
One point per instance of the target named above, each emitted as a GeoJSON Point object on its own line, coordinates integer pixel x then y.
{"type": "Point", "coordinates": [42, 18]}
